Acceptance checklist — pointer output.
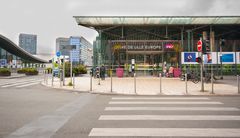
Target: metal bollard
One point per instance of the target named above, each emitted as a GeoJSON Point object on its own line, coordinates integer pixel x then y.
{"type": "Point", "coordinates": [52, 79]}
{"type": "Point", "coordinates": [135, 89]}
{"type": "Point", "coordinates": [99, 79]}
{"type": "Point", "coordinates": [73, 80]}
{"type": "Point", "coordinates": [160, 76]}
{"type": "Point", "coordinates": [90, 82]}
{"type": "Point", "coordinates": [47, 79]}
{"type": "Point", "coordinates": [60, 78]}
{"type": "Point", "coordinates": [238, 83]}
{"type": "Point", "coordinates": [111, 80]}
{"type": "Point", "coordinates": [44, 77]}
{"type": "Point", "coordinates": [186, 83]}
{"type": "Point", "coordinates": [212, 83]}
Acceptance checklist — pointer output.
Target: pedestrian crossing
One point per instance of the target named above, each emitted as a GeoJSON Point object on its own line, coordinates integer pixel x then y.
{"type": "Point", "coordinates": [161, 116]}
{"type": "Point", "coordinates": [20, 83]}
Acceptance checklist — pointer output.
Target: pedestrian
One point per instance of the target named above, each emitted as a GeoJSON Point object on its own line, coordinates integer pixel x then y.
{"type": "Point", "coordinates": [171, 71]}
{"type": "Point", "coordinates": [102, 72]}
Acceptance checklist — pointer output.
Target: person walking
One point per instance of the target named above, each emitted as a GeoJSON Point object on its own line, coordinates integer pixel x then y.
{"type": "Point", "coordinates": [102, 72]}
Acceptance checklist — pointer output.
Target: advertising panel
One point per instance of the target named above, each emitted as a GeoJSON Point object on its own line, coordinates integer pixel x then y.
{"type": "Point", "coordinates": [227, 58]}
{"type": "Point", "coordinates": [189, 57]}
{"type": "Point", "coordinates": [210, 58]}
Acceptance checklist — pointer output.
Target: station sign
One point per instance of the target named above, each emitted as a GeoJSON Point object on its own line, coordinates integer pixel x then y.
{"type": "Point", "coordinates": [58, 54]}
{"type": "Point", "coordinates": [3, 62]}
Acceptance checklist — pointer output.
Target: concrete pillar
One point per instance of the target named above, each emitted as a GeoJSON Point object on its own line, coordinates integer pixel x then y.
{"type": "Point", "coordinates": [212, 41]}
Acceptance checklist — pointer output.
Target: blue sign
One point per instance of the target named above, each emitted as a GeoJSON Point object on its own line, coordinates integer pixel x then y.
{"type": "Point", "coordinates": [58, 54]}
{"type": "Point", "coordinates": [3, 62]}
{"type": "Point", "coordinates": [227, 58]}
{"type": "Point", "coordinates": [74, 55]}
{"type": "Point", "coordinates": [190, 57]}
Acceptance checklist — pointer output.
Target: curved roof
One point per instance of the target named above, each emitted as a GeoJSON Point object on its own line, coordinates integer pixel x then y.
{"type": "Point", "coordinates": [12, 48]}
{"type": "Point", "coordinates": [95, 21]}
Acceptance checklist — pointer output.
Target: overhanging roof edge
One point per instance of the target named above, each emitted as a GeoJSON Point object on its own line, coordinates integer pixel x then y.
{"type": "Point", "coordinates": [19, 51]}
{"type": "Point", "coordinates": [96, 21]}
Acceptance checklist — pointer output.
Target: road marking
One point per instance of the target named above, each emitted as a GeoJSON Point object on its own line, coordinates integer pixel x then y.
{"type": "Point", "coordinates": [160, 98]}
{"type": "Point", "coordinates": [30, 84]}
{"type": "Point", "coordinates": [171, 109]}
{"type": "Point", "coordinates": [168, 117]}
{"type": "Point", "coordinates": [147, 102]}
{"type": "Point", "coordinates": [46, 126]}
{"type": "Point", "coordinates": [20, 83]}
{"type": "Point", "coordinates": [167, 132]}
{"type": "Point", "coordinates": [15, 81]}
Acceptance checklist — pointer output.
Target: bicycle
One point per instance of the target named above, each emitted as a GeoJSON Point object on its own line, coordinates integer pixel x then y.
{"type": "Point", "coordinates": [194, 77]}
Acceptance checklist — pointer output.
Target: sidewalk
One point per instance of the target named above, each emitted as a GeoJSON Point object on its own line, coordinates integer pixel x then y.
{"type": "Point", "coordinates": [148, 86]}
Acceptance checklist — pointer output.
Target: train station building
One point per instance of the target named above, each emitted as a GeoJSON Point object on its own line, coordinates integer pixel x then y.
{"type": "Point", "coordinates": [158, 40]}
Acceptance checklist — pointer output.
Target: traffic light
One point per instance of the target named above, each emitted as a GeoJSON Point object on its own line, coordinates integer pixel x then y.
{"type": "Point", "coordinates": [205, 46]}
{"type": "Point", "coordinates": [222, 42]}
{"type": "Point", "coordinates": [198, 59]}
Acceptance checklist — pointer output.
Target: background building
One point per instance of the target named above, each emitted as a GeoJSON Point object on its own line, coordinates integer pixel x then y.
{"type": "Point", "coordinates": [28, 42]}
{"type": "Point", "coordinates": [86, 52]}
{"type": "Point", "coordinates": [78, 45]}
{"type": "Point", "coordinates": [12, 56]}
{"type": "Point", "coordinates": [63, 45]}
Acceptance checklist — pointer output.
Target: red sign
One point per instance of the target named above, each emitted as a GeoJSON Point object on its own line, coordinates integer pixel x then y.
{"type": "Point", "coordinates": [199, 45]}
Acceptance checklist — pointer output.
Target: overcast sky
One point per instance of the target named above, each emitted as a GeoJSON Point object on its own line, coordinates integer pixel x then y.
{"type": "Point", "coordinates": [50, 19]}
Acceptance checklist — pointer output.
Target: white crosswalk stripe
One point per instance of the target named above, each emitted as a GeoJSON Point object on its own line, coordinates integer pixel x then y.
{"type": "Point", "coordinates": [124, 109]}
{"type": "Point", "coordinates": [168, 117]}
{"type": "Point", "coordinates": [147, 102]}
{"type": "Point", "coordinates": [30, 84]}
{"type": "Point", "coordinates": [171, 109]}
{"type": "Point", "coordinates": [14, 81]}
{"type": "Point", "coordinates": [24, 83]}
{"type": "Point", "coordinates": [166, 132]}
{"type": "Point", "coordinates": [160, 98]}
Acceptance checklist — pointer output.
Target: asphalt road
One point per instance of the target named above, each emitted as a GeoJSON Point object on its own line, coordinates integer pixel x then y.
{"type": "Point", "coordinates": [30, 110]}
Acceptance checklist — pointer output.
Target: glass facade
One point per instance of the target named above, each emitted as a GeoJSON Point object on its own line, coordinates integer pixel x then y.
{"type": "Point", "coordinates": [65, 45]}
{"type": "Point", "coordinates": [28, 42]}
{"type": "Point", "coordinates": [9, 60]}
{"type": "Point", "coordinates": [159, 45]}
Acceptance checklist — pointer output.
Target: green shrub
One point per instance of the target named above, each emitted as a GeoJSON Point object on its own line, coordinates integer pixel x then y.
{"type": "Point", "coordinates": [70, 84]}
{"type": "Point", "coordinates": [48, 70]}
{"type": "Point", "coordinates": [22, 71]}
{"type": "Point", "coordinates": [31, 71]}
{"type": "Point", "coordinates": [5, 72]}
{"type": "Point", "coordinates": [80, 69]}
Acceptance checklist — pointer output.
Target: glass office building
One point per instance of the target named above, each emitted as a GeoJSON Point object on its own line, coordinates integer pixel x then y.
{"type": "Point", "coordinates": [28, 42]}
{"type": "Point", "coordinates": [76, 43]}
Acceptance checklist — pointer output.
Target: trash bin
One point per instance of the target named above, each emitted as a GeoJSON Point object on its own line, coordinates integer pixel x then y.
{"type": "Point", "coordinates": [119, 72]}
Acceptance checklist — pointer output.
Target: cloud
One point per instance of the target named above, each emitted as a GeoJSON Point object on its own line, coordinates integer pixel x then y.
{"type": "Point", "coordinates": [73, 5]}
{"type": "Point", "coordinates": [50, 19]}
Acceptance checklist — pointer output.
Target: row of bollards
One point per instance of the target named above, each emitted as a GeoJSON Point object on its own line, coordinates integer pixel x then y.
{"type": "Point", "coordinates": [238, 84]}
{"type": "Point", "coordinates": [135, 83]}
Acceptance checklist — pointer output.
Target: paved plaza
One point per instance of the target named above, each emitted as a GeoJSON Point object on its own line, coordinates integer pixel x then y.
{"type": "Point", "coordinates": [147, 86]}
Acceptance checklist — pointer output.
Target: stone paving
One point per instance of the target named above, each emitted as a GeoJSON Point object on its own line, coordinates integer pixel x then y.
{"type": "Point", "coordinates": [147, 86]}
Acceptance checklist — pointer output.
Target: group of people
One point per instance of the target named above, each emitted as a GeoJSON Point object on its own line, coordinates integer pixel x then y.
{"type": "Point", "coordinates": [168, 72]}
{"type": "Point", "coordinates": [99, 72]}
